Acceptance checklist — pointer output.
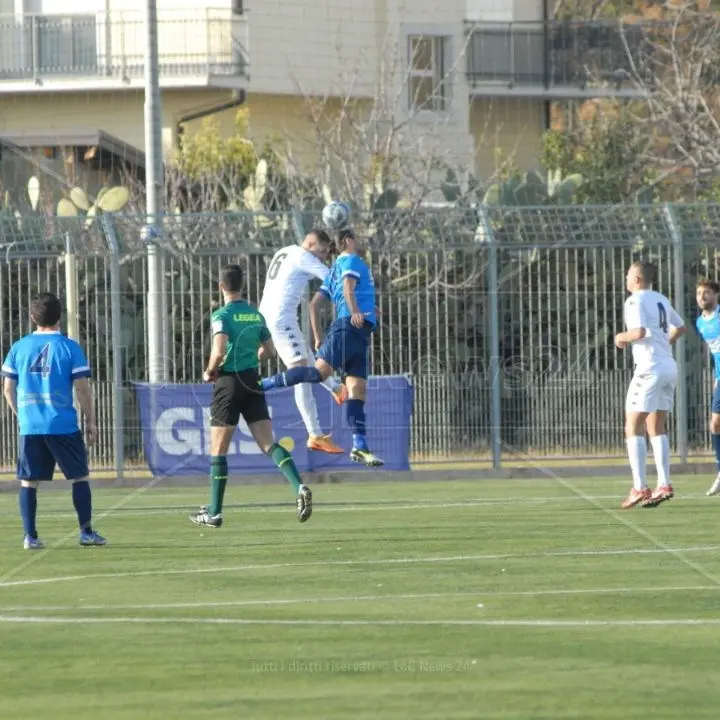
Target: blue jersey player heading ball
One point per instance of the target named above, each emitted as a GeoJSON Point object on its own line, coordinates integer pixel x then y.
{"type": "Point", "coordinates": [351, 289]}
{"type": "Point", "coordinates": [40, 372]}
{"type": "Point", "coordinates": [708, 325]}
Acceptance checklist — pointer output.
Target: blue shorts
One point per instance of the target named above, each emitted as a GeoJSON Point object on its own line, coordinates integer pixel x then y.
{"type": "Point", "coordinates": [346, 348]}
{"type": "Point", "coordinates": [39, 454]}
{"type": "Point", "coordinates": [715, 407]}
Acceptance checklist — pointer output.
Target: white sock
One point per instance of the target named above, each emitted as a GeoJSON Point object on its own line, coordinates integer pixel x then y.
{"type": "Point", "coordinates": [637, 452]}
{"type": "Point", "coordinates": [661, 451]}
{"type": "Point", "coordinates": [330, 384]}
{"type": "Point", "coordinates": [305, 402]}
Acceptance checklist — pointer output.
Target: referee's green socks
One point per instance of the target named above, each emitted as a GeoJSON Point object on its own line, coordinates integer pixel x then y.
{"type": "Point", "coordinates": [286, 465]}
{"type": "Point", "coordinates": [218, 481]}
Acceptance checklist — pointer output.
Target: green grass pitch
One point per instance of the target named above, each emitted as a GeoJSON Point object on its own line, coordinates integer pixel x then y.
{"type": "Point", "coordinates": [514, 599]}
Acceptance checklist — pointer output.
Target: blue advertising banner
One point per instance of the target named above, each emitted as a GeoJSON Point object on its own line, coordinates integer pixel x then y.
{"type": "Point", "coordinates": [176, 429]}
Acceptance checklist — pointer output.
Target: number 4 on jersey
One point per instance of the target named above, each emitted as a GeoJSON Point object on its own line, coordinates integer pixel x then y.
{"type": "Point", "coordinates": [662, 317]}
{"type": "Point", "coordinates": [41, 364]}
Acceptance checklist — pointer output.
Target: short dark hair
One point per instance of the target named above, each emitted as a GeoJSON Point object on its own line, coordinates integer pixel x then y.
{"type": "Point", "coordinates": [647, 270]}
{"type": "Point", "coordinates": [321, 235]}
{"type": "Point", "coordinates": [343, 236]}
{"type": "Point", "coordinates": [231, 278]}
{"type": "Point", "coordinates": [46, 310]}
{"type": "Point", "coordinates": [709, 284]}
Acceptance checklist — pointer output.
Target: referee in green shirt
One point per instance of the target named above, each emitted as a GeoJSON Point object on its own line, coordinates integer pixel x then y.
{"type": "Point", "coordinates": [240, 339]}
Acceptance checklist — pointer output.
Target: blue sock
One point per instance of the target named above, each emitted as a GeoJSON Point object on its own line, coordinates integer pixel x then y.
{"type": "Point", "coordinates": [716, 448]}
{"type": "Point", "coordinates": [356, 421]}
{"type": "Point", "coordinates": [28, 510]}
{"type": "Point", "coordinates": [293, 376]}
{"type": "Point", "coordinates": [82, 500]}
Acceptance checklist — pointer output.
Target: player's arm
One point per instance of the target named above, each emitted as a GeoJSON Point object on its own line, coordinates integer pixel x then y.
{"type": "Point", "coordinates": [80, 374]}
{"type": "Point", "coordinates": [676, 333]}
{"type": "Point", "coordinates": [677, 327]}
{"type": "Point", "coordinates": [635, 323]}
{"type": "Point", "coordinates": [87, 406]}
{"type": "Point", "coordinates": [351, 275]}
{"type": "Point", "coordinates": [356, 317]}
{"type": "Point", "coordinates": [217, 355]}
{"type": "Point", "coordinates": [218, 349]}
{"type": "Point", "coordinates": [10, 375]}
{"type": "Point", "coordinates": [321, 297]}
{"type": "Point", "coordinates": [267, 346]}
{"type": "Point", "coordinates": [10, 393]}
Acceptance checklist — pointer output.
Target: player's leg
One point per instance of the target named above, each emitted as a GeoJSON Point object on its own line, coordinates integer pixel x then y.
{"type": "Point", "coordinates": [715, 437]}
{"type": "Point", "coordinates": [637, 455]}
{"type": "Point", "coordinates": [355, 366]}
{"type": "Point", "coordinates": [656, 423]}
{"type": "Point", "coordinates": [660, 443]}
{"type": "Point", "coordinates": [35, 464]}
{"type": "Point", "coordinates": [635, 416]}
{"type": "Point", "coordinates": [662, 401]}
{"type": "Point", "coordinates": [257, 418]}
{"type": "Point", "coordinates": [224, 417]}
{"type": "Point", "coordinates": [294, 376]}
{"type": "Point", "coordinates": [293, 351]}
{"type": "Point", "coordinates": [336, 388]}
{"type": "Point", "coordinates": [70, 454]}
{"type": "Point", "coordinates": [329, 357]}
{"type": "Point", "coordinates": [305, 401]}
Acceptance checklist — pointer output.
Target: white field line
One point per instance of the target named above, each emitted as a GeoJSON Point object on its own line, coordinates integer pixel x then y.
{"type": "Point", "coordinates": [692, 622]}
{"type": "Point", "coordinates": [349, 507]}
{"type": "Point", "coordinates": [477, 594]}
{"type": "Point", "coordinates": [357, 563]}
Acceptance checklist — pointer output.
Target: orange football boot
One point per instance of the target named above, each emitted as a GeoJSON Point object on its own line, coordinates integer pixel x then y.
{"type": "Point", "coordinates": [659, 495]}
{"type": "Point", "coordinates": [323, 443]}
{"type": "Point", "coordinates": [340, 395]}
{"type": "Point", "coordinates": [636, 497]}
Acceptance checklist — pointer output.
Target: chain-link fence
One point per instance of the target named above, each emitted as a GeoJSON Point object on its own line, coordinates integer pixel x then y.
{"type": "Point", "coordinates": [504, 317]}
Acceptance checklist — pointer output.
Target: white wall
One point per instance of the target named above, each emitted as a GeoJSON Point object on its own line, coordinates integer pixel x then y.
{"type": "Point", "coordinates": [503, 10]}
{"type": "Point", "coordinates": [447, 134]}
{"type": "Point", "coordinates": [312, 46]}
{"type": "Point", "coordinates": [68, 7]}
{"type": "Point", "coordinates": [489, 10]}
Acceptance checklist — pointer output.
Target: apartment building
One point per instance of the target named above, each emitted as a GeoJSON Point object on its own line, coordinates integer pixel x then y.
{"type": "Point", "coordinates": [479, 74]}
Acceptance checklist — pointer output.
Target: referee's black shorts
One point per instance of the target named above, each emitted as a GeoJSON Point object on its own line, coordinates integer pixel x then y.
{"type": "Point", "coordinates": [236, 394]}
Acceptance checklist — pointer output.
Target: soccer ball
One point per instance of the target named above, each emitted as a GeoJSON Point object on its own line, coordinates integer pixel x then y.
{"type": "Point", "coordinates": [336, 215]}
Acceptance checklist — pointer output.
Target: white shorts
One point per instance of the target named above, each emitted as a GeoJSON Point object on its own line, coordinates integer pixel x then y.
{"type": "Point", "coordinates": [651, 391]}
{"type": "Point", "coordinates": [289, 341]}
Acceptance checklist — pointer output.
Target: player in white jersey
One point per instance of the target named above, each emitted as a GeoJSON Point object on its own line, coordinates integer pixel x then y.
{"type": "Point", "coordinates": [289, 272]}
{"type": "Point", "coordinates": [653, 327]}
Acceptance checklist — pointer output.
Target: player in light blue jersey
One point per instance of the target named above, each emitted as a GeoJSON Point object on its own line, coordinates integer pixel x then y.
{"type": "Point", "coordinates": [39, 373]}
{"type": "Point", "coordinates": [351, 289]}
{"type": "Point", "coordinates": [708, 325]}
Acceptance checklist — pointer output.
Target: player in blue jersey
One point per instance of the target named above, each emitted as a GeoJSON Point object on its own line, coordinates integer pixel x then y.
{"type": "Point", "coordinates": [351, 289]}
{"type": "Point", "coordinates": [708, 325]}
{"type": "Point", "coordinates": [39, 373]}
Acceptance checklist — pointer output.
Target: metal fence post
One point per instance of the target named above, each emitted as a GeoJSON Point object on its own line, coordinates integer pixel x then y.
{"type": "Point", "coordinates": [118, 400]}
{"type": "Point", "coordinates": [493, 290]}
{"type": "Point", "coordinates": [681, 408]}
{"type": "Point", "coordinates": [155, 183]}
{"type": "Point", "coordinates": [71, 292]}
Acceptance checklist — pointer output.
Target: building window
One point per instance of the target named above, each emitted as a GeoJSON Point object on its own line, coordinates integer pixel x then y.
{"type": "Point", "coordinates": [426, 73]}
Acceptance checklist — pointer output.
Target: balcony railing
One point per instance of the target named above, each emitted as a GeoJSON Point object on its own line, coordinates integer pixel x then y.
{"type": "Point", "coordinates": [558, 58]}
{"type": "Point", "coordinates": [65, 47]}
